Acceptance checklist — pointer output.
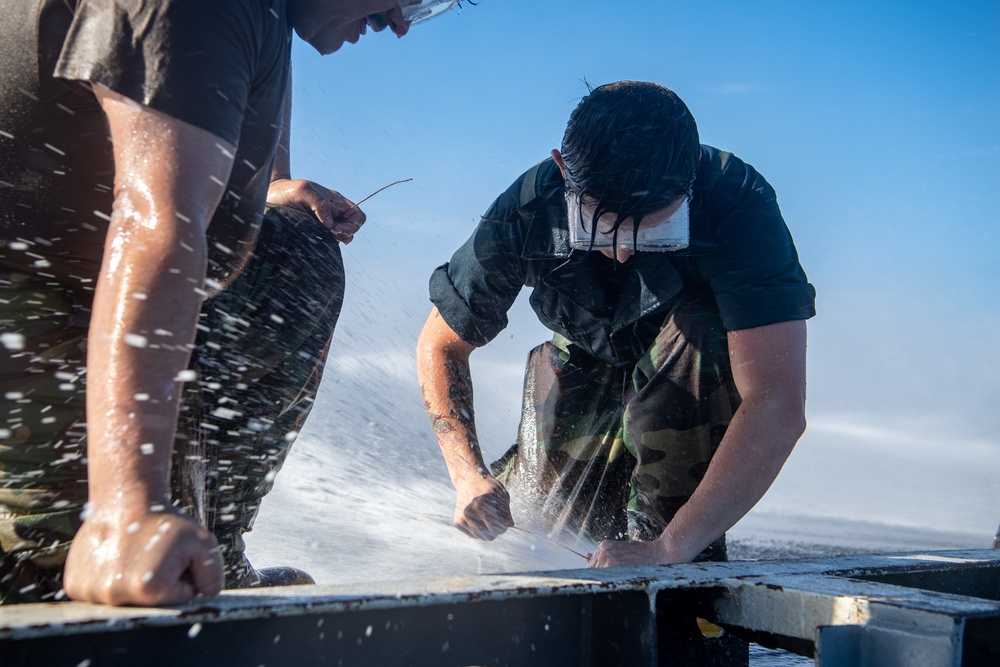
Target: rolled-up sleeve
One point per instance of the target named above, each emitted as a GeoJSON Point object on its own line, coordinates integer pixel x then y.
{"type": "Point", "coordinates": [474, 291]}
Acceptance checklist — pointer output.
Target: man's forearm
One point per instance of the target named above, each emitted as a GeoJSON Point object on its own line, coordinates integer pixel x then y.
{"type": "Point", "coordinates": [769, 370]}
{"type": "Point", "coordinates": [145, 311]}
{"type": "Point", "coordinates": [445, 379]}
{"type": "Point", "coordinates": [759, 439]}
{"type": "Point", "coordinates": [148, 295]}
{"type": "Point", "coordinates": [448, 400]}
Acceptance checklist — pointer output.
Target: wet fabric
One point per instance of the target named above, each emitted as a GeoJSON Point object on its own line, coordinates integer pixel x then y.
{"type": "Point", "coordinates": [218, 65]}
{"type": "Point", "coordinates": [611, 453]}
{"type": "Point", "coordinates": [259, 356]}
{"type": "Point", "coordinates": [740, 252]}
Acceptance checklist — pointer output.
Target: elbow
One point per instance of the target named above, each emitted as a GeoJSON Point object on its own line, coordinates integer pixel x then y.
{"type": "Point", "coordinates": [791, 406]}
{"type": "Point", "coordinates": [782, 414]}
{"type": "Point", "coordinates": [794, 419]}
{"type": "Point", "coordinates": [798, 425]}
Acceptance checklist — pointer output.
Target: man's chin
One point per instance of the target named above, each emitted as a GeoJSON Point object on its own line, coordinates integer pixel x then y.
{"type": "Point", "coordinates": [330, 40]}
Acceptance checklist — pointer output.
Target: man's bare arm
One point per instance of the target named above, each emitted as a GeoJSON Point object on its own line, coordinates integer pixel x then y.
{"type": "Point", "coordinates": [134, 548]}
{"type": "Point", "coordinates": [482, 507]}
{"type": "Point", "coordinates": [769, 368]}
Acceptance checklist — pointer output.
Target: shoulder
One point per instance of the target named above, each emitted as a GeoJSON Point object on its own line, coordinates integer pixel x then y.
{"type": "Point", "coordinates": [725, 179]}
{"type": "Point", "coordinates": [199, 61]}
{"type": "Point", "coordinates": [527, 193]}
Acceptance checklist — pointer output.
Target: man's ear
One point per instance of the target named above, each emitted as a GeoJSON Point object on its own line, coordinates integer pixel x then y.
{"type": "Point", "coordinates": [557, 156]}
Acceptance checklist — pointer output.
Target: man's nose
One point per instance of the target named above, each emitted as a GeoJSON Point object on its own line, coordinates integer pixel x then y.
{"type": "Point", "coordinates": [623, 252]}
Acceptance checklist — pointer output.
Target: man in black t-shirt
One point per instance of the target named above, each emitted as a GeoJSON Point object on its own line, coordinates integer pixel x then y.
{"type": "Point", "coordinates": [145, 266]}
{"type": "Point", "coordinates": [674, 387]}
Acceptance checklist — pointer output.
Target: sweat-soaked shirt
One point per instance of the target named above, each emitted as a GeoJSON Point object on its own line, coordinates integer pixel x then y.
{"type": "Point", "coordinates": [216, 64]}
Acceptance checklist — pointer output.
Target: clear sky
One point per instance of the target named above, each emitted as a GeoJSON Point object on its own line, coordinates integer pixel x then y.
{"type": "Point", "coordinates": [878, 123]}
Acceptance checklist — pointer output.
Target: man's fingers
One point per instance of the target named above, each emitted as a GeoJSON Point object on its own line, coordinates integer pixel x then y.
{"type": "Point", "coordinates": [475, 530]}
{"type": "Point", "coordinates": [601, 557]}
{"type": "Point", "coordinates": [178, 593]}
{"type": "Point", "coordinates": [199, 570]}
{"type": "Point", "coordinates": [206, 572]}
{"type": "Point", "coordinates": [482, 524]}
{"type": "Point", "coordinates": [344, 231]}
{"type": "Point", "coordinates": [341, 217]}
{"type": "Point", "coordinates": [347, 215]}
{"type": "Point", "coordinates": [346, 226]}
{"type": "Point", "coordinates": [485, 512]}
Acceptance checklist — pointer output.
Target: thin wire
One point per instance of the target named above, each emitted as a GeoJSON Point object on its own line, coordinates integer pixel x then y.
{"type": "Point", "coordinates": [346, 211]}
{"type": "Point", "coordinates": [523, 530]}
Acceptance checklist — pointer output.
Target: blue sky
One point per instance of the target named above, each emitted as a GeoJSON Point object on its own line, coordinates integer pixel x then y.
{"type": "Point", "coordinates": [878, 123]}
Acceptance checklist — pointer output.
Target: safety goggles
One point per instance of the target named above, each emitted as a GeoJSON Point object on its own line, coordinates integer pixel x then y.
{"type": "Point", "coordinates": [663, 234]}
{"type": "Point", "coordinates": [415, 12]}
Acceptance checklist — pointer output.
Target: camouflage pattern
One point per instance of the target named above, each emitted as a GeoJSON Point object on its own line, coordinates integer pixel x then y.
{"type": "Point", "coordinates": [259, 355]}
{"type": "Point", "coordinates": [43, 476]}
{"type": "Point", "coordinates": [612, 453]}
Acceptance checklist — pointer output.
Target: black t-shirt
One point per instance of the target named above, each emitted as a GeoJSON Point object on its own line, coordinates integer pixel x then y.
{"type": "Point", "coordinates": [741, 258]}
{"type": "Point", "coordinates": [216, 64]}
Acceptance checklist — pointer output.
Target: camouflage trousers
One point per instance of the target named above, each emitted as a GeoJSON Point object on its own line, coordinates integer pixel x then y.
{"type": "Point", "coordinates": [259, 354]}
{"type": "Point", "coordinates": [611, 453]}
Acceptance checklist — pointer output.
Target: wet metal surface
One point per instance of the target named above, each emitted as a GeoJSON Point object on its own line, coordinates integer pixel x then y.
{"type": "Point", "coordinates": [933, 609]}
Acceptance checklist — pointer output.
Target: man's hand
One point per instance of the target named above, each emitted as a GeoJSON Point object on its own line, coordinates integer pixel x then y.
{"type": "Point", "coordinates": [335, 211]}
{"type": "Point", "coordinates": [614, 554]}
{"type": "Point", "coordinates": [148, 560]}
{"type": "Point", "coordinates": [482, 508]}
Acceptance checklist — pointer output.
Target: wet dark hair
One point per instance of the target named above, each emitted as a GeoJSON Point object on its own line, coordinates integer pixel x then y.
{"type": "Point", "coordinates": [632, 147]}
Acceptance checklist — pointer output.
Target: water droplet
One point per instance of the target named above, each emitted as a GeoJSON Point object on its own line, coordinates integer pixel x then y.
{"type": "Point", "coordinates": [226, 413]}
{"type": "Point", "coordinates": [12, 341]}
{"type": "Point", "coordinates": [135, 340]}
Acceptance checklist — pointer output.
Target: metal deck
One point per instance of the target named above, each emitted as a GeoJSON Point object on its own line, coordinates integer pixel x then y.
{"type": "Point", "coordinates": [939, 609]}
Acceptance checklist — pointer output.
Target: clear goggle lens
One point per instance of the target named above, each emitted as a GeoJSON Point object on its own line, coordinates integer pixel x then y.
{"type": "Point", "coordinates": [672, 232]}
{"type": "Point", "coordinates": [420, 12]}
